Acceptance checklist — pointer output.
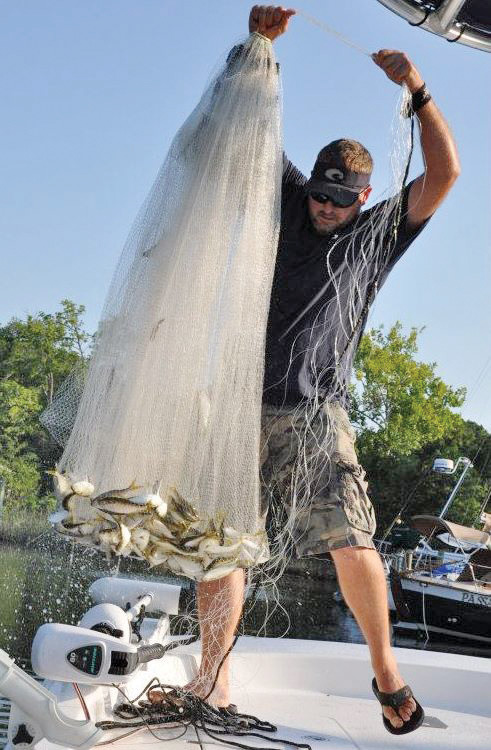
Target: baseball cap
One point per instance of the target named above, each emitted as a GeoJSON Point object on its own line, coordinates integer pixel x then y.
{"type": "Point", "coordinates": [336, 181]}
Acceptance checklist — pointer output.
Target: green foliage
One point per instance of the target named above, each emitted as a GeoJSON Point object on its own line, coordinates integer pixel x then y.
{"type": "Point", "coordinates": [36, 355]}
{"type": "Point", "coordinates": [22, 478]}
{"type": "Point", "coordinates": [18, 406]}
{"type": "Point", "coordinates": [406, 417]}
{"type": "Point", "coordinates": [399, 404]}
{"type": "Point", "coordinates": [41, 351]}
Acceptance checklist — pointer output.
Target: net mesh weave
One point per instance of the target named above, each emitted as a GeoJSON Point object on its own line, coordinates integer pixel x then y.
{"type": "Point", "coordinates": [173, 391]}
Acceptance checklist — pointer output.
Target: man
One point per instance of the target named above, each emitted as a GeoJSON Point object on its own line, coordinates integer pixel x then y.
{"type": "Point", "coordinates": [318, 215]}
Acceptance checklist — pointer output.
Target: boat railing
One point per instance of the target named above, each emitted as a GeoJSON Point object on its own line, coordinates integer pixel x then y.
{"type": "Point", "coordinates": [421, 561]}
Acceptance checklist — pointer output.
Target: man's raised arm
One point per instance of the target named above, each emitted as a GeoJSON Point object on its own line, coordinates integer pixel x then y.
{"type": "Point", "coordinates": [442, 165]}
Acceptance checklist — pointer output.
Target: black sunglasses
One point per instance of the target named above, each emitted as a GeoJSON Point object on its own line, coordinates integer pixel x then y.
{"type": "Point", "coordinates": [349, 199]}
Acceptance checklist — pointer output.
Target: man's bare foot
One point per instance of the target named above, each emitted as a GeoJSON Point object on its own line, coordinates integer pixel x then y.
{"type": "Point", "coordinates": [389, 682]}
{"type": "Point", "coordinates": [201, 686]}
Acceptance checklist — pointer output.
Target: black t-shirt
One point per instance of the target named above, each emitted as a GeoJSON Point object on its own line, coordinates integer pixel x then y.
{"type": "Point", "coordinates": [302, 290]}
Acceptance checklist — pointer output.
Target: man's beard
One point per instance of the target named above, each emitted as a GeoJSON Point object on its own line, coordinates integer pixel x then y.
{"type": "Point", "coordinates": [325, 231]}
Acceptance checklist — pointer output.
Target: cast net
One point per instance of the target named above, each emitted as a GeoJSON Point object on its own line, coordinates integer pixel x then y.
{"type": "Point", "coordinates": [162, 459]}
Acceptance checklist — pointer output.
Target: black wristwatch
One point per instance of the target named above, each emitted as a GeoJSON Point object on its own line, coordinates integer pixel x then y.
{"type": "Point", "coordinates": [420, 97]}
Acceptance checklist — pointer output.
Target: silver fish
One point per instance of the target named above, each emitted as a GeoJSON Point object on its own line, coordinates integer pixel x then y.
{"type": "Point", "coordinates": [61, 484]}
{"type": "Point", "coordinates": [219, 569]}
{"type": "Point", "coordinates": [155, 557]}
{"type": "Point", "coordinates": [57, 516]}
{"type": "Point", "coordinates": [140, 538]}
{"type": "Point", "coordinates": [194, 541]}
{"type": "Point", "coordinates": [125, 539]}
{"type": "Point", "coordinates": [74, 529]}
{"type": "Point", "coordinates": [157, 527]}
{"type": "Point", "coordinates": [185, 566]}
{"type": "Point", "coordinates": [83, 488]}
{"type": "Point", "coordinates": [134, 521]}
{"type": "Point", "coordinates": [123, 494]}
{"type": "Point", "coordinates": [213, 549]}
{"type": "Point", "coordinates": [109, 538]}
{"type": "Point", "coordinates": [179, 504]}
{"type": "Point", "coordinates": [231, 534]}
{"type": "Point", "coordinates": [118, 506]}
{"type": "Point", "coordinates": [174, 518]}
{"type": "Point", "coordinates": [169, 548]}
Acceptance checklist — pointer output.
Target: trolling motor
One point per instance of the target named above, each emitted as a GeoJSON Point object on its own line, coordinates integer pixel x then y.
{"type": "Point", "coordinates": [104, 649]}
{"type": "Point", "coordinates": [99, 650]}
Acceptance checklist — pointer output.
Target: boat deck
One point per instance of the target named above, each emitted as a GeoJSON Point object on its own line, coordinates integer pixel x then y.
{"type": "Point", "coordinates": [319, 693]}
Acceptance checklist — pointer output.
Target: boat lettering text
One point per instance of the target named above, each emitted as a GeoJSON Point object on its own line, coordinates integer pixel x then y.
{"type": "Point", "coordinates": [484, 601]}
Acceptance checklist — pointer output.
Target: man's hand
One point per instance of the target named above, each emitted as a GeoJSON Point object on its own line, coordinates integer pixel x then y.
{"type": "Point", "coordinates": [440, 153]}
{"type": "Point", "coordinates": [269, 21]}
{"type": "Point", "coordinates": [398, 68]}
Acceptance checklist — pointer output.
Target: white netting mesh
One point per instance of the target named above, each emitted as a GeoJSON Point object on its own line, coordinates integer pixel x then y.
{"type": "Point", "coordinates": [173, 391]}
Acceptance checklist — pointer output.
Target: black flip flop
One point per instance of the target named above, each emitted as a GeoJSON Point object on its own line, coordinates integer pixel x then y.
{"type": "Point", "coordinates": [395, 701]}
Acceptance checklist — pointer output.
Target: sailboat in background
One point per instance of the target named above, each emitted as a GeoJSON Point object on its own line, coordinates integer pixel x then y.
{"type": "Point", "coordinates": [446, 591]}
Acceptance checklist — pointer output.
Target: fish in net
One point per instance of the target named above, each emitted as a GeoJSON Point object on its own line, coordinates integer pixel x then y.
{"type": "Point", "coordinates": [161, 452]}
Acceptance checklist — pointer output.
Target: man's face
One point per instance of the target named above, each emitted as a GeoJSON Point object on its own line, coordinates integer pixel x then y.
{"type": "Point", "coordinates": [327, 218]}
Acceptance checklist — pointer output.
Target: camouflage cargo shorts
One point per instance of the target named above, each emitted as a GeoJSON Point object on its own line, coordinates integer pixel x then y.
{"type": "Point", "coordinates": [339, 512]}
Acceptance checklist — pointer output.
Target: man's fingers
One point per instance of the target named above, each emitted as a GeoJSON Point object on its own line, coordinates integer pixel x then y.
{"type": "Point", "coordinates": [270, 16]}
{"type": "Point", "coordinates": [278, 15]}
{"type": "Point", "coordinates": [388, 57]}
{"type": "Point", "coordinates": [396, 65]}
{"type": "Point", "coordinates": [384, 52]}
{"type": "Point", "coordinates": [253, 18]}
{"type": "Point", "coordinates": [270, 20]}
{"type": "Point", "coordinates": [261, 21]}
{"type": "Point", "coordinates": [287, 14]}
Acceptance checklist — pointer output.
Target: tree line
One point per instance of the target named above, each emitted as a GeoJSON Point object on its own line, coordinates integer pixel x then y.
{"type": "Point", "coordinates": [404, 414]}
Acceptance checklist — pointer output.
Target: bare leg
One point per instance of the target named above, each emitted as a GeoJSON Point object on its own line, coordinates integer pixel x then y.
{"type": "Point", "coordinates": [219, 609]}
{"type": "Point", "coordinates": [362, 580]}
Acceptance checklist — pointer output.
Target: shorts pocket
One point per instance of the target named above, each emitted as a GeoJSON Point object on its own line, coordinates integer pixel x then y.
{"type": "Point", "coordinates": [352, 491]}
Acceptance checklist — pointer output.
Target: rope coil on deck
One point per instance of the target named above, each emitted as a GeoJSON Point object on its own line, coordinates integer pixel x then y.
{"type": "Point", "coordinates": [170, 706]}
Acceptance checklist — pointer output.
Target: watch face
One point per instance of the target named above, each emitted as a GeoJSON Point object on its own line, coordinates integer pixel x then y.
{"type": "Point", "coordinates": [87, 659]}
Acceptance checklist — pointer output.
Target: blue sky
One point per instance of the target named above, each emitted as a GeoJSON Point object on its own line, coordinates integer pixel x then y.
{"type": "Point", "coordinates": [94, 90]}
